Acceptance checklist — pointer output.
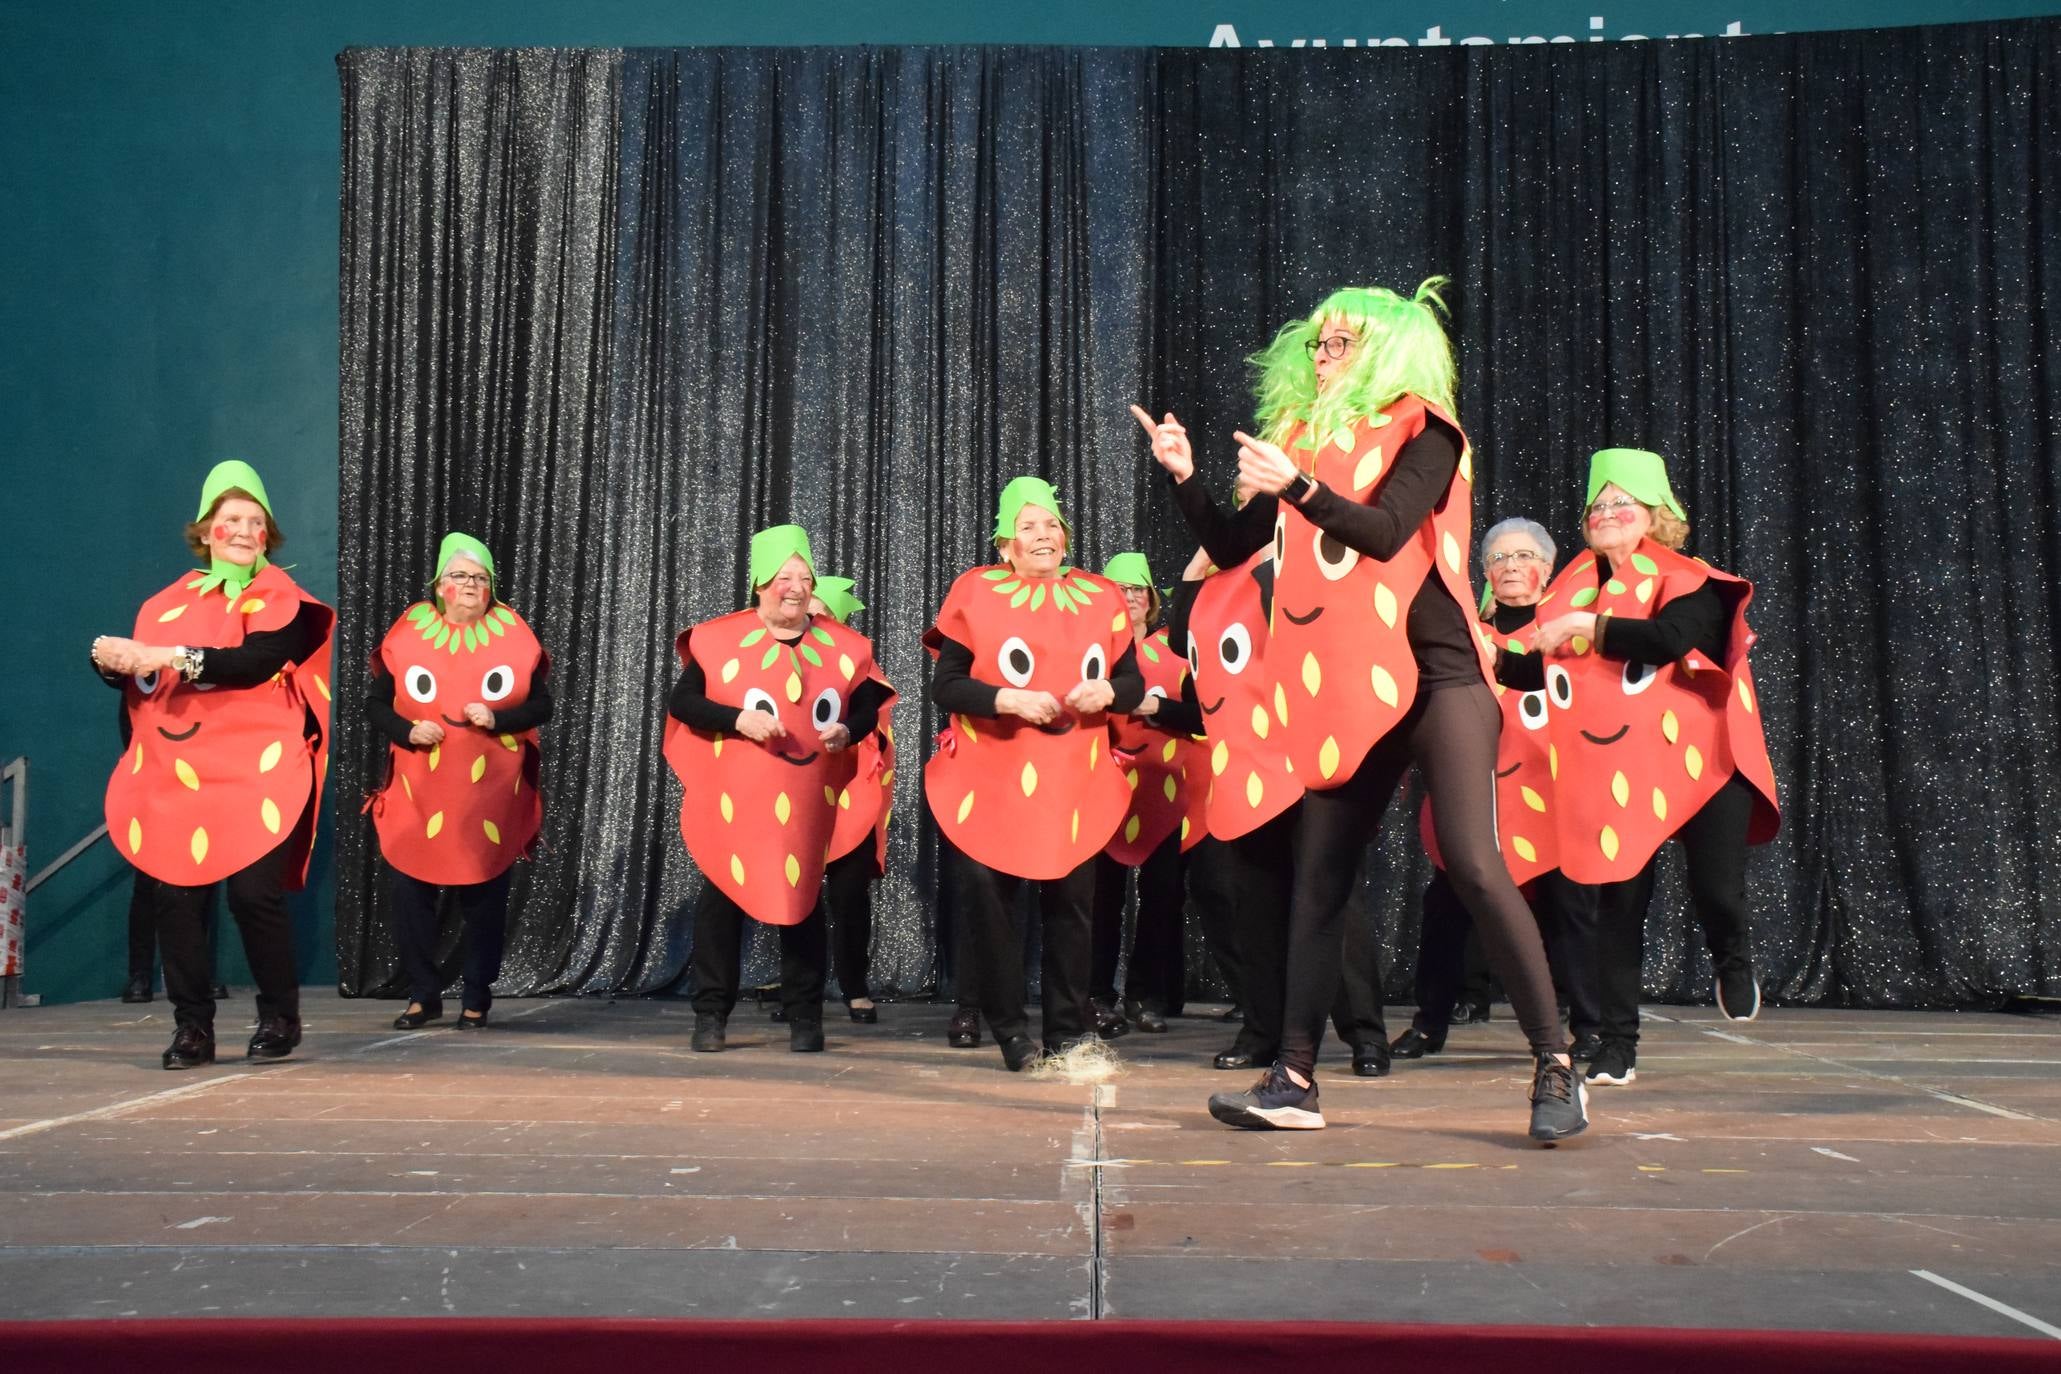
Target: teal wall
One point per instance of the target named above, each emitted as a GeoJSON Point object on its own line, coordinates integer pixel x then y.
{"type": "Point", "coordinates": [170, 262]}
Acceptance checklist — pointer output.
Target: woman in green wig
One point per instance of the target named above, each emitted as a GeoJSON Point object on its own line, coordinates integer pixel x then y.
{"type": "Point", "coordinates": [226, 683]}
{"type": "Point", "coordinates": [459, 689]}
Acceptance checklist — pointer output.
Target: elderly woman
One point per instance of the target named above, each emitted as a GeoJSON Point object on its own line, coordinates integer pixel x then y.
{"type": "Point", "coordinates": [1032, 657]}
{"type": "Point", "coordinates": [226, 681]}
{"type": "Point", "coordinates": [1167, 777]}
{"type": "Point", "coordinates": [1517, 558]}
{"type": "Point", "coordinates": [1657, 725]}
{"type": "Point", "coordinates": [760, 732]}
{"type": "Point", "coordinates": [1363, 482]}
{"type": "Point", "coordinates": [459, 688]}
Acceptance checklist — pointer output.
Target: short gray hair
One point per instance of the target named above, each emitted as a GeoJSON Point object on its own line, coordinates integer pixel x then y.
{"type": "Point", "coordinates": [1517, 524]}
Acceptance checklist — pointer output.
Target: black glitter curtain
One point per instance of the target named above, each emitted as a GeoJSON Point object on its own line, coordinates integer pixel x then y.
{"type": "Point", "coordinates": [614, 310]}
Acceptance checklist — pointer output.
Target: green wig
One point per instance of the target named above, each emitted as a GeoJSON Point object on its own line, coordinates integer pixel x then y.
{"type": "Point", "coordinates": [1403, 348]}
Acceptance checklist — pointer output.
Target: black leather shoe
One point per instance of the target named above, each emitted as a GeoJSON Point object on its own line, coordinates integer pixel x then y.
{"type": "Point", "coordinates": [1371, 1061]}
{"type": "Point", "coordinates": [1243, 1055]}
{"type": "Point", "coordinates": [467, 1021]}
{"type": "Point", "coordinates": [865, 1016]}
{"type": "Point", "coordinates": [191, 1047]}
{"type": "Point", "coordinates": [805, 1034]}
{"type": "Point", "coordinates": [1144, 1018]}
{"type": "Point", "coordinates": [419, 1015]}
{"type": "Point", "coordinates": [778, 1013]}
{"type": "Point", "coordinates": [1233, 1013]}
{"type": "Point", "coordinates": [711, 1033]}
{"type": "Point", "coordinates": [964, 1032]}
{"type": "Point", "coordinates": [137, 989]}
{"type": "Point", "coordinates": [1107, 1020]}
{"type": "Point", "coordinates": [275, 1038]}
{"type": "Point", "coordinates": [219, 991]}
{"type": "Point", "coordinates": [1019, 1052]}
{"type": "Point", "coordinates": [1415, 1044]}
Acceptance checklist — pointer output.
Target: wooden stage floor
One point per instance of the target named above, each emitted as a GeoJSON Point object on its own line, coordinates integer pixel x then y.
{"type": "Point", "coordinates": [1859, 1171]}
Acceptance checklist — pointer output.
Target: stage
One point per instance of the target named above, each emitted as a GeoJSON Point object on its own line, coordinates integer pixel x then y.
{"type": "Point", "coordinates": [1816, 1170]}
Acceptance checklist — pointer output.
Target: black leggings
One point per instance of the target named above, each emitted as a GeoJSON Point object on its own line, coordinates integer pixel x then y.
{"type": "Point", "coordinates": [1714, 855]}
{"type": "Point", "coordinates": [1451, 735]}
{"type": "Point", "coordinates": [1157, 972]}
{"type": "Point", "coordinates": [848, 892]}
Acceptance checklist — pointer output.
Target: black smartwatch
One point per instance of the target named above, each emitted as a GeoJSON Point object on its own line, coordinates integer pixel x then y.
{"type": "Point", "coordinates": [1299, 490]}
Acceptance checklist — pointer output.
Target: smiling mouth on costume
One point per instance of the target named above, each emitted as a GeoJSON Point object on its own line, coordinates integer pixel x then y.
{"type": "Point", "coordinates": [1607, 739]}
{"type": "Point", "coordinates": [1057, 727]}
{"type": "Point", "coordinates": [802, 762]}
{"type": "Point", "coordinates": [1212, 710]}
{"type": "Point", "coordinates": [1295, 619]}
{"type": "Point", "coordinates": [188, 733]}
{"type": "Point", "coordinates": [1506, 772]}
{"type": "Point", "coordinates": [447, 718]}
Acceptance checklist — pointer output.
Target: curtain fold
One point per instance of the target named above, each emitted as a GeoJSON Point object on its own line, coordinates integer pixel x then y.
{"type": "Point", "coordinates": [612, 311]}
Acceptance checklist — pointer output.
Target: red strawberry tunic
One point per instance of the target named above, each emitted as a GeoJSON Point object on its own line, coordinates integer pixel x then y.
{"type": "Point", "coordinates": [758, 818]}
{"type": "Point", "coordinates": [1340, 643]}
{"type": "Point", "coordinates": [1034, 801]}
{"type": "Point", "coordinates": [1527, 831]}
{"type": "Point", "coordinates": [463, 811]}
{"type": "Point", "coordinates": [1637, 750]}
{"type": "Point", "coordinates": [867, 803]}
{"type": "Point", "coordinates": [1251, 780]}
{"type": "Point", "coordinates": [1165, 771]}
{"type": "Point", "coordinates": [215, 777]}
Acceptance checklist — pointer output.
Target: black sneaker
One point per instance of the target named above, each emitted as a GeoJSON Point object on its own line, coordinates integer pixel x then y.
{"type": "Point", "coordinates": [1274, 1103]}
{"type": "Point", "coordinates": [964, 1032]}
{"type": "Point", "coordinates": [1559, 1102]}
{"type": "Point", "coordinates": [711, 1033]}
{"type": "Point", "coordinates": [191, 1047]}
{"type": "Point", "coordinates": [1612, 1065]}
{"type": "Point", "coordinates": [1415, 1044]}
{"type": "Point", "coordinates": [1738, 993]}
{"type": "Point", "coordinates": [276, 1038]}
{"type": "Point", "coordinates": [1584, 1047]}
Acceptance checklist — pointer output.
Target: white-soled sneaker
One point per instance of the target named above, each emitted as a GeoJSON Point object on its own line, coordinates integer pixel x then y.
{"type": "Point", "coordinates": [1738, 994]}
{"type": "Point", "coordinates": [1612, 1066]}
{"type": "Point", "coordinates": [1559, 1102]}
{"type": "Point", "coordinates": [1275, 1103]}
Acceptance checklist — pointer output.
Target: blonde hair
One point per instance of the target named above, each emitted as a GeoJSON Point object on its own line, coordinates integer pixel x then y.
{"type": "Point", "coordinates": [1670, 531]}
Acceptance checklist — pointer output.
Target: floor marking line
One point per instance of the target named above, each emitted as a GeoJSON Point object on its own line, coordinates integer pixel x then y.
{"type": "Point", "coordinates": [117, 1108]}
{"type": "Point", "coordinates": [2003, 1308]}
{"type": "Point", "coordinates": [1832, 1154]}
{"type": "Point", "coordinates": [1959, 1101]}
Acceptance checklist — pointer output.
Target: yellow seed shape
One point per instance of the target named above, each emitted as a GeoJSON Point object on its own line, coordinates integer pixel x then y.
{"type": "Point", "coordinates": [1746, 696]}
{"type": "Point", "coordinates": [1659, 804]}
{"type": "Point", "coordinates": [436, 756]}
{"type": "Point", "coordinates": [1450, 548]}
{"type": "Point", "coordinates": [1580, 644]}
{"type": "Point", "coordinates": [1608, 841]}
{"type": "Point", "coordinates": [186, 773]}
{"type": "Point", "coordinates": [1327, 756]}
{"type": "Point", "coordinates": [436, 824]}
{"type": "Point", "coordinates": [965, 807]}
{"type": "Point", "coordinates": [1259, 720]}
{"type": "Point", "coordinates": [1028, 779]}
{"type": "Point", "coordinates": [1094, 753]}
{"type": "Point", "coordinates": [1171, 788]}
{"type": "Point", "coordinates": [737, 870]}
{"type": "Point", "coordinates": [1531, 798]}
{"type": "Point", "coordinates": [1670, 726]}
{"type": "Point", "coordinates": [966, 731]}
{"type": "Point", "coordinates": [829, 795]}
{"type": "Point", "coordinates": [724, 805]}
{"type": "Point", "coordinates": [1553, 761]}
{"type": "Point", "coordinates": [479, 768]}
{"type": "Point", "coordinates": [407, 787]}
{"type": "Point", "coordinates": [1184, 830]}
{"type": "Point", "coordinates": [1644, 591]}
{"type": "Point", "coordinates": [782, 808]}
{"type": "Point", "coordinates": [1692, 759]}
{"type": "Point", "coordinates": [844, 800]}
{"type": "Point", "coordinates": [1166, 753]}
{"type": "Point", "coordinates": [1467, 465]}
{"type": "Point", "coordinates": [137, 767]}
{"type": "Point", "coordinates": [252, 606]}
{"type": "Point", "coordinates": [729, 670]}
{"type": "Point", "coordinates": [510, 743]}
{"type": "Point", "coordinates": [322, 687]}
{"type": "Point", "coordinates": [269, 760]}
{"type": "Point", "coordinates": [1346, 441]}
{"type": "Point", "coordinates": [1384, 604]}
{"type": "Point", "coordinates": [1312, 674]}
{"type": "Point", "coordinates": [493, 831]}
{"type": "Point", "coordinates": [846, 666]}
{"type": "Point", "coordinates": [135, 836]}
{"type": "Point", "coordinates": [1384, 686]}
{"type": "Point", "coordinates": [1120, 622]}
{"type": "Point", "coordinates": [171, 615]}
{"type": "Point", "coordinates": [268, 812]}
{"type": "Point", "coordinates": [1367, 469]}
{"type": "Point", "coordinates": [793, 687]}
{"type": "Point", "coordinates": [1131, 829]}
{"type": "Point", "coordinates": [793, 871]}
{"type": "Point", "coordinates": [1620, 788]}
{"type": "Point", "coordinates": [1524, 848]}
{"type": "Point", "coordinates": [1280, 704]}
{"type": "Point", "coordinates": [717, 746]}
{"type": "Point", "coordinates": [198, 845]}
{"type": "Point", "coordinates": [1219, 758]}
{"type": "Point", "coordinates": [1254, 789]}
{"type": "Point", "coordinates": [1076, 835]}
{"type": "Point", "coordinates": [1132, 778]}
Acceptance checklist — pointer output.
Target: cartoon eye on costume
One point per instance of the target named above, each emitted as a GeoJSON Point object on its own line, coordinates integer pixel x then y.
{"type": "Point", "coordinates": [1194, 655]}
{"type": "Point", "coordinates": [421, 684]}
{"type": "Point", "coordinates": [1094, 663]}
{"type": "Point", "coordinates": [1334, 558]}
{"type": "Point", "coordinates": [759, 699]}
{"type": "Point", "coordinates": [1234, 648]}
{"type": "Point", "coordinates": [1638, 677]}
{"type": "Point", "coordinates": [1280, 539]}
{"type": "Point", "coordinates": [1017, 662]}
{"type": "Point", "coordinates": [1531, 709]}
{"type": "Point", "coordinates": [204, 686]}
{"type": "Point", "coordinates": [826, 708]}
{"type": "Point", "coordinates": [498, 683]}
{"type": "Point", "coordinates": [1559, 686]}
{"type": "Point", "coordinates": [1159, 692]}
{"type": "Point", "coordinates": [146, 683]}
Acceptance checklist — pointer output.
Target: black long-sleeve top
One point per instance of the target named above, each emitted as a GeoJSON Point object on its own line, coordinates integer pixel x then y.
{"type": "Point", "coordinates": [1695, 621]}
{"type": "Point", "coordinates": [260, 656]}
{"type": "Point", "coordinates": [956, 690]}
{"type": "Point", "coordinates": [528, 714]}
{"type": "Point", "coordinates": [1422, 473]}
{"type": "Point", "coordinates": [689, 701]}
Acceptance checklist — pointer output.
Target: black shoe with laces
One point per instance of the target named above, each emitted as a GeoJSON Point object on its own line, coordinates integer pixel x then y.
{"type": "Point", "coordinates": [275, 1038]}
{"type": "Point", "coordinates": [964, 1032]}
{"type": "Point", "coordinates": [191, 1047]}
{"type": "Point", "coordinates": [1415, 1044]}
{"type": "Point", "coordinates": [1275, 1103]}
{"type": "Point", "coordinates": [711, 1033]}
{"type": "Point", "coordinates": [1559, 1102]}
{"type": "Point", "coordinates": [1738, 993]}
{"type": "Point", "coordinates": [1613, 1065]}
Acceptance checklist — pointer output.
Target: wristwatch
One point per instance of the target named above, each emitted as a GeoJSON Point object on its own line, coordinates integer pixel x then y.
{"type": "Point", "coordinates": [186, 662]}
{"type": "Point", "coordinates": [1300, 489]}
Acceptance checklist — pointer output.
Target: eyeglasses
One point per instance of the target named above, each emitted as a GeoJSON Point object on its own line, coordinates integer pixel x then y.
{"type": "Point", "coordinates": [466, 579]}
{"type": "Point", "coordinates": [1335, 347]}
{"type": "Point", "coordinates": [1521, 557]}
{"type": "Point", "coordinates": [1613, 510]}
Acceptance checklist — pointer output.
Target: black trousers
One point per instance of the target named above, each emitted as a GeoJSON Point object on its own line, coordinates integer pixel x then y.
{"type": "Point", "coordinates": [1262, 864]}
{"type": "Point", "coordinates": [257, 901]}
{"type": "Point", "coordinates": [1566, 914]}
{"type": "Point", "coordinates": [1451, 736]}
{"type": "Point", "coordinates": [484, 910]}
{"type": "Point", "coordinates": [1714, 855]}
{"type": "Point", "coordinates": [1157, 972]}
{"type": "Point", "coordinates": [143, 926]}
{"type": "Point", "coordinates": [718, 959]}
{"type": "Point", "coordinates": [995, 940]}
{"type": "Point", "coordinates": [848, 892]}
{"type": "Point", "coordinates": [1212, 879]}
